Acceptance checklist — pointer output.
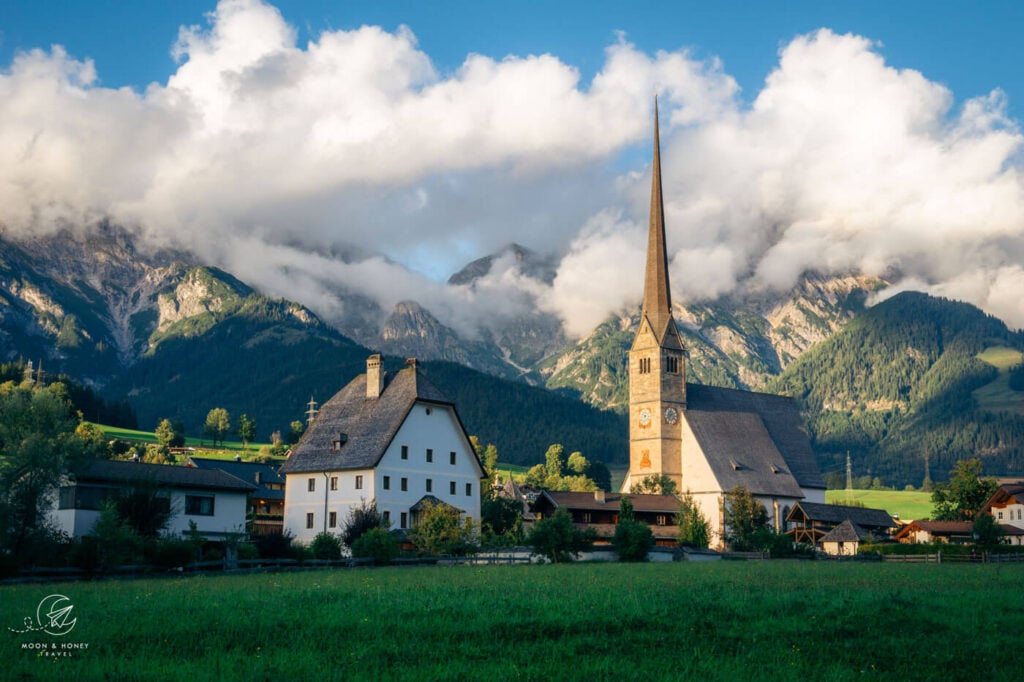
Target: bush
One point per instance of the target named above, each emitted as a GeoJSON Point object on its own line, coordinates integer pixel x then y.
{"type": "Point", "coordinates": [441, 530]}
{"type": "Point", "coordinates": [377, 544]}
{"type": "Point", "coordinates": [557, 539]}
{"type": "Point", "coordinates": [274, 545]}
{"type": "Point", "coordinates": [632, 540]}
{"type": "Point", "coordinates": [361, 519]}
{"type": "Point", "coordinates": [326, 546]}
{"type": "Point", "coordinates": [247, 550]}
{"type": "Point", "coordinates": [170, 552]}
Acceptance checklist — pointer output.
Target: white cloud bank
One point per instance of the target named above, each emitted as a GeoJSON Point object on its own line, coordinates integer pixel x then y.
{"type": "Point", "coordinates": [263, 156]}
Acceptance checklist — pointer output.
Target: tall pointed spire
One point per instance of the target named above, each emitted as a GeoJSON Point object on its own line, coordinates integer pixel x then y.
{"type": "Point", "coordinates": [657, 306]}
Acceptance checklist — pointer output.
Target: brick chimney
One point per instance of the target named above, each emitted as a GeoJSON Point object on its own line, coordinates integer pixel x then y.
{"type": "Point", "coordinates": [374, 377]}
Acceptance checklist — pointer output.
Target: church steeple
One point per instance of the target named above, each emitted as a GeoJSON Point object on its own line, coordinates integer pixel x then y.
{"type": "Point", "coordinates": [657, 305]}
{"type": "Point", "coordinates": [657, 361]}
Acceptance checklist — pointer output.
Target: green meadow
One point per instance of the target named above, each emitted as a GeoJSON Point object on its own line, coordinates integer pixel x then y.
{"type": "Point", "coordinates": [997, 396]}
{"type": "Point", "coordinates": [199, 443]}
{"type": "Point", "coordinates": [909, 505]}
{"type": "Point", "coordinates": [713, 621]}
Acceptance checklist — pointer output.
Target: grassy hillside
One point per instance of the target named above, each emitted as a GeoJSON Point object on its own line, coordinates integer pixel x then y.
{"type": "Point", "coordinates": [997, 396]}
{"type": "Point", "coordinates": [907, 505]}
{"type": "Point", "coordinates": [147, 437]}
{"type": "Point", "coordinates": [896, 386]}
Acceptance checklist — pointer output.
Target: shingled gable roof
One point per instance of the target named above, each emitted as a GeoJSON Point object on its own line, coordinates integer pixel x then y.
{"type": "Point", "coordinates": [134, 473]}
{"type": "Point", "coordinates": [369, 424]}
{"type": "Point", "coordinates": [753, 430]}
{"type": "Point", "coordinates": [847, 531]}
{"type": "Point", "coordinates": [1004, 495]}
{"type": "Point", "coordinates": [837, 513]}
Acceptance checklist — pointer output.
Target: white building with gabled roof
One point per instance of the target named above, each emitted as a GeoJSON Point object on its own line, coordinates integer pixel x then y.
{"type": "Point", "coordinates": [389, 439]}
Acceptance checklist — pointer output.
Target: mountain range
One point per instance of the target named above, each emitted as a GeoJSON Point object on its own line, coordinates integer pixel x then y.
{"type": "Point", "coordinates": [176, 338]}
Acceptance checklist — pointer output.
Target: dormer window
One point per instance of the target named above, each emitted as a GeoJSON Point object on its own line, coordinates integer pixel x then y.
{"type": "Point", "coordinates": [775, 469]}
{"type": "Point", "coordinates": [338, 442]}
{"type": "Point", "coordinates": [734, 464]}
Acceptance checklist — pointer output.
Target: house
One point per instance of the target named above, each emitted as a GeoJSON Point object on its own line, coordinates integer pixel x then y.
{"type": "Point", "coordinates": [267, 514]}
{"type": "Point", "coordinates": [512, 491]}
{"type": "Point", "coordinates": [394, 440]}
{"type": "Point", "coordinates": [845, 539]}
{"type": "Point", "coordinates": [925, 532]}
{"type": "Point", "coordinates": [1006, 505]}
{"type": "Point", "coordinates": [600, 510]}
{"type": "Point", "coordinates": [706, 439]}
{"type": "Point", "coordinates": [216, 501]}
{"type": "Point", "coordinates": [810, 522]}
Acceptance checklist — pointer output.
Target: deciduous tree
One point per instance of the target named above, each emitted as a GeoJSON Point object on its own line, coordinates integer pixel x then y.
{"type": "Point", "coordinates": [656, 484]}
{"type": "Point", "coordinates": [557, 539]}
{"type": "Point", "coordinates": [744, 518]}
{"type": "Point", "coordinates": [442, 530]}
{"type": "Point", "coordinates": [694, 530]}
{"type": "Point", "coordinates": [246, 429]}
{"type": "Point", "coordinates": [39, 443]}
{"type": "Point", "coordinates": [218, 422]}
{"type": "Point", "coordinates": [360, 520]}
{"type": "Point", "coordinates": [962, 498]}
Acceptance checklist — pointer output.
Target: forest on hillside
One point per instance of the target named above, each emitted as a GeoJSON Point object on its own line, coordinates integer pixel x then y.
{"type": "Point", "coordinates": [894, 389]}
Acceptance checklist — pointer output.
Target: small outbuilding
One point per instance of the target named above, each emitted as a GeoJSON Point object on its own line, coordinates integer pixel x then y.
{"type": "Point", "coordinates": [845, 539]}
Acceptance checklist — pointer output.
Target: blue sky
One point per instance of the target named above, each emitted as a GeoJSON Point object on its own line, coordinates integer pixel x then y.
{"type": "Point", "coordinates": [318, 149]}
{"type": "Point", "coordinates": [971, 47]}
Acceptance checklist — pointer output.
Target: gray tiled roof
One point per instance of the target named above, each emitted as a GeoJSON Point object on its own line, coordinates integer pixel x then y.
{"type": "Point", "coordinates": [369, 424]}
{"type": "Point", "coordinates": [641, 503]}
{"type": "Point", "coordinates": [837, 513]}
{"type": "Point", "coordinates": [847, 531]}
{"type": "Point", "coordinates": [756, 431]}
{"type": "Point", "coordinates": [247, 471]}
{"type": "Point", "coordinates": [130, 473]}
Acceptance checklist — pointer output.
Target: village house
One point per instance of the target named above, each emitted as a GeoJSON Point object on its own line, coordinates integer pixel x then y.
{"type": "Point", "coordinates": [811, 522]}
{"type": "Point", "coordinates": [920, 532]}
{"type": "Point", "coordinates": [600, 511]}
{"type": "Point", "coordinates": [1006, 505]}
{"type": "Point", "coordinates": [394, 440]}
{"type": "Point", "coordinates": [267, 510]}
{"type": "Point", "coordinates": [845, 539]}
{"type": "Point", "coordinates": [214, 500]}
{"type": "Point", "coordinates": [706, 439]}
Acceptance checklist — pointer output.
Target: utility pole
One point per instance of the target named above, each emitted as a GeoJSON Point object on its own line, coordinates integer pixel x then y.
{"type": "Point", "coordinates": [849, 478]}
{"type": "Point", "coordinates": [311, 412]}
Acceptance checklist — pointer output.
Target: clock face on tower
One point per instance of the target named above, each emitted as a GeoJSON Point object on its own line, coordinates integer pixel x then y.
{"type": "Point", "coordinates": [671, 415]}
{"type": "Point", "coordinates": [645, 417]}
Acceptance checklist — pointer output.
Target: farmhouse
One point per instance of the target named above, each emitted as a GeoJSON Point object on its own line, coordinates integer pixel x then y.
{"type": "Point", "coordinates": [811, 522]}
{"type": "Point", "coordinates": [600, 510]}
{"type": "Point", "coordinates": [924, 532]}
{"type": "Point", "coordinates": [1007, 505]}
{"type": "Point", "coordinates": [395, 440]}
{"type": "Point", "coordinates": [214, 500]}
{"type": "Point", "coordinates": [267, 500]}
{"type": "Point", "coordinates": [706, 439]}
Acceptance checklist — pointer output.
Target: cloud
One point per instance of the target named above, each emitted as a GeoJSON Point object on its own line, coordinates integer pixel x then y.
{"type": "Point", "coordinates": [270, 159]}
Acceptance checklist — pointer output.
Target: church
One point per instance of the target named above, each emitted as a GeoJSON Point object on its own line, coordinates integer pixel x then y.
{"type": "Point", "coordinates": [706, 439]}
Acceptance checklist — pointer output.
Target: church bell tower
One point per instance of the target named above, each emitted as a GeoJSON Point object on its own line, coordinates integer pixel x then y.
{"type": "Point", "coordinates": [657, 362]}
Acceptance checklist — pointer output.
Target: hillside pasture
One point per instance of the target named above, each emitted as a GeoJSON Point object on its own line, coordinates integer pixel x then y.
{"type": "Point", "coordinates": [908, 505]}
{"type": "Point", "coordinates": [204, 444]}
{"type": "Point", "coordinates": [997, 396]}
{"type": "Point", "coordinates": [721, 621]}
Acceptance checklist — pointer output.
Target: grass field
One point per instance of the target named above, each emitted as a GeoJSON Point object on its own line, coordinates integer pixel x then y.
{"type": "Point", "coordinates": [722, 621]}
{"type": "Point", "coordinates": [148, 437]}
{"type": "Point", "coordinates": [997, 396]}
{"type": "Point", "coordinates": [908, 505]}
